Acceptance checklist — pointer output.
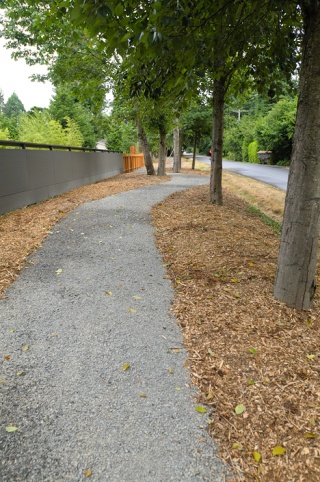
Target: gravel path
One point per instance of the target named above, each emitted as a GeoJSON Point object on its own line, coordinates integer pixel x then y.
{"type": "Point", "coordinates": [75, 407]}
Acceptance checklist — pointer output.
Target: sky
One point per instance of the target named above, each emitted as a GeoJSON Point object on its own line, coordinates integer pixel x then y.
{"type": "Point", "coordinates": [14, 78]}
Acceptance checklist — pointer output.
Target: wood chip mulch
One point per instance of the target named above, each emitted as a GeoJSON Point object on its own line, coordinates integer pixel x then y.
{"type": "Point", "coordinates": [22, 231]}
{"type": "Point", "coordinates": [247, 352]}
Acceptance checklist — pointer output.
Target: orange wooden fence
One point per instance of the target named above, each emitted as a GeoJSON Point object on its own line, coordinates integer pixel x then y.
{"type": "Point", "coordinates": [133, 160]}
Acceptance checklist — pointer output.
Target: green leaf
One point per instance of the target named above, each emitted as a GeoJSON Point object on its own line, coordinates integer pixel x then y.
{"type": "Point", "coordinates": [131, 310]}
{"type": "Point", "coordinates": [108, 293]}
{"type": "Point", "coordinates": [240, 409]}
{"type": "Point", "coordinates": [251, 382]}
{"type": "Point", "coordinates": [137, 297]}
{"type": "Point", "coordinates": [237, 446]}
{"type": "Point", "coordinates": [59, 271]}
{"type": "Point", "coordinates": [25, 348]}
{"type": "Point", "coordinates": [201, 409]}
{"type": "Point", "coordinates": [253, 351]}
{"type": "Point", "coordinates": [256, 456]}
{"type": "Point", "coordinates": [143, 395]}
{"type": "Point", "coordinates": [11, 429]}
{"type": "Point", "coordinates": [310, 435]}
{"type": "Point", "coordinates": [118, 10]}
{"type": "Point", "coordinates": [126, 366]}
{"type": "Point", "coordinates": [20, 374]}
{"type": "Point", "coordinates": [278, 450]}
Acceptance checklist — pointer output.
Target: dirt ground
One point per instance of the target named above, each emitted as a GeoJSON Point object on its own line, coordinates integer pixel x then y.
{"type": "Point", "coordinates": [255, 361]}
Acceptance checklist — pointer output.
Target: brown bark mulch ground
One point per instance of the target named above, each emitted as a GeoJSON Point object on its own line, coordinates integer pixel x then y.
{"type": "Point", "coordinates": [247, 352]}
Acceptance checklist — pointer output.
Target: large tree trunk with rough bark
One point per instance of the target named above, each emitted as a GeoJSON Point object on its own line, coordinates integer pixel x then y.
{"type": "Point", "coordinates": [162, 154]}
{"type": "Point", "coordinates": [176, 148]}
{"type": "Point", "coordinates": [295, 278]}
{"type": "Point", "coordinates": [146, 151]}
{"type": "Point", "coordinates": [217, 142]}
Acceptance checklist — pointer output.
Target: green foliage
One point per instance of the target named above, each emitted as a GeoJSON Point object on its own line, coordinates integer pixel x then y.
{"type": "Point", "coordinates": [119, 128]}
{"type": "Point", "coordinates": [13, 107]}
{"type": "Point", "coordinates": [196, 125]}
{"type": "Point", "coordinates": [64, 105]}
{"type": "Point", "coordinates": [275, 131]}
{"type": "Point", "coordinates": [4, 134]}
{"type": "Point", "coordinates": [253, 152]}
{"type": "Point", "coordinates": [270, 125]}
{"type": "Point", "coordinates": [41, 128]}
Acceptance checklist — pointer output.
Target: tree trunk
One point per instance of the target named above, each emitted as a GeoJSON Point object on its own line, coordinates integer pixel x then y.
{"type": "Point", "coordinates": [194, 152]}
{"type": "Point", "coordinates": [180, 149]}
{"type": "Point", "coordinates": [295, 279]}
{"type": "Point", "coordinates": [217, 142]}
{"type": "Point", "coordinates": [176, 148]}
{"type": "Point", "coordinates": [146, 151]}
{"type": "Point", "coordinates": [162, 154]}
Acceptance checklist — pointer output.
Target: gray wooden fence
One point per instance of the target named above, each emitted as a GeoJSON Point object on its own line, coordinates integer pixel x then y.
{"type": "Point", "coordinates": [36, 172]}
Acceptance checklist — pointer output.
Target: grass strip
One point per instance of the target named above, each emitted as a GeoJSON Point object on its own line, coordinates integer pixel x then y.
{"type": "Point", "coordinates": [277, 227]}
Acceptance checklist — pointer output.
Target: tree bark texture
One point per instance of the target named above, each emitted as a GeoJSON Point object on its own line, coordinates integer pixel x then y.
{"type": "Point", "coordinates": [295, 279]}
{"type": "Point", "coordinates": [146, 151]}
{"type": "Point", "coordinates": [176, 148]}
{"type": "Point", "coordinates": [217, 142]}
{"type": "Point", "coordinates": [194, 153]}
{"type": "Point", "coordinates": [162, 154]}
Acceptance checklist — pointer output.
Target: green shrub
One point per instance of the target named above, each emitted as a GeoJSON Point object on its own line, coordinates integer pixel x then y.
{"type": "Point", "coordinates": [253, 152]}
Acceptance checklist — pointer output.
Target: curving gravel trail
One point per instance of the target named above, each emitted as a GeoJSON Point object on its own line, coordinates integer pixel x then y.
{"type": "Point", "coordinates": [92, 299]}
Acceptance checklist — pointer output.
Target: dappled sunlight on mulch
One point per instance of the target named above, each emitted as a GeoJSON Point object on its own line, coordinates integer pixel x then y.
{"type": "Point", "coordinates": [22, 231]}
{"type": "Point", "coordinates": [245, 348]}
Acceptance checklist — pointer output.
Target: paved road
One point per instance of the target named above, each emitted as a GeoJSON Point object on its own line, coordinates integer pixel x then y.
{"type": "Point", "coordinates": [274, 175]}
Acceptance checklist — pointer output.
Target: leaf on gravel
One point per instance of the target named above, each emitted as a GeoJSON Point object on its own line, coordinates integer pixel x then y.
{"type": "Point", "coordinates": [20, 374]}
{"type": "Point", "coordinates": [210, 352]}
{"type": "Point", "coordinates": [54, 334]}
{"type": "Point", "coordinates": [59, 271]}
{"type": "Point", "coordinates": [7, 357]}
{"type": "Point", "coordinates": [2, 381]}
{"type": "Point", "coordinates": [125, 366]}
{"type": "Point", "coordinates": [310, 435]}
{"type": "Point", "coordinates": [170, 371]}
{"type": "Point", "coordinates": [25, 348]}
{"type": "Point", "coordinates": [87, 473]}
{"type": "Point", "coordinates": [237, 446]}
{"type": "Point", "coordinates": [240, 409]}
{"type": "Point", "coordinates": [132, 310]}
{"type": "Point", "coordinates": [311, 357]}
{"type": "Point", "coordinates": [108, 293]}
{"type": "Point", "coordinates": [235, 280]}
{"type": "Point", "coordinates": [143, 395]}
{"type": "Point", "coordinates": [137, 297]}
{"type": "Point", "coordinates": [278, 450]}
{"type": "Point", "coordinates": [256, 456]}
{"type": "Point", "coordinates": [12, 331]}
{"type": "Point", "coordinates": [178, 388]}
{"type": "Point", "coordinates": [251, 382]}
{"type": "Point", "coordinates": [253, 351]}
{"type": "Point", "coordinates": [166, 276]}
{"type": "Point", "coordinates": [11, 429]}
{"type": "Point", "coordinates": [201, 409]}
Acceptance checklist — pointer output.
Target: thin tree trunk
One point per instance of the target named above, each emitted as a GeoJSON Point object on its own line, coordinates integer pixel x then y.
{"type": "Point", "coordinates": [180, 149]}
{"type": "Point", "coordinates": [217, 142]}
{"type": "Point", "coordinates": [194, 153]}
{"type": "Point", "coordinates": [162, 154]}
{"type": "Point", "coordinates": [295, 279]}
{"type": "Point", "coordinates": [146, 151]}
{"type": "Point", "coordinates": [176, 148]}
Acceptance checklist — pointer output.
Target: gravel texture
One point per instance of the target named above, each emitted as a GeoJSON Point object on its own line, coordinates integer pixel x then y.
{"type": "Point", "coordinates": [70, 333]}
